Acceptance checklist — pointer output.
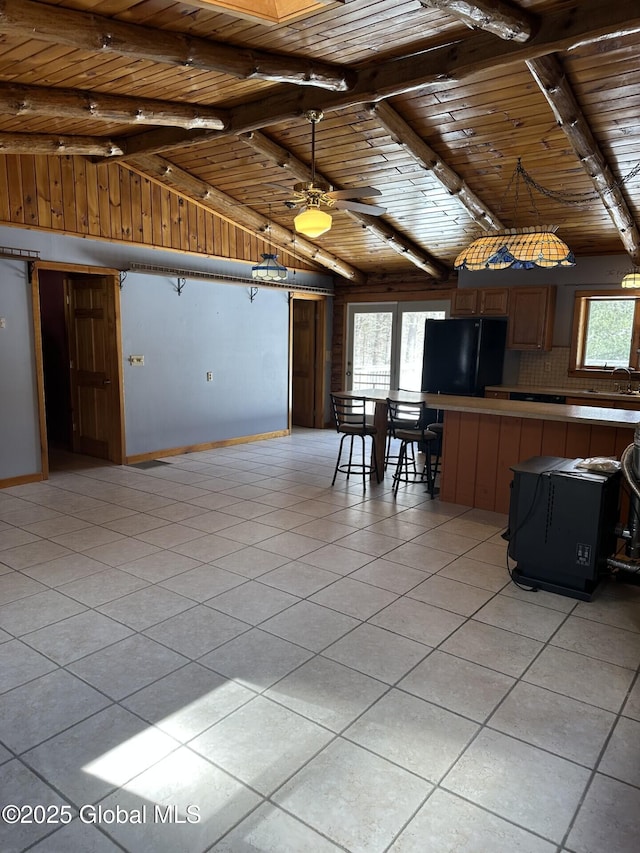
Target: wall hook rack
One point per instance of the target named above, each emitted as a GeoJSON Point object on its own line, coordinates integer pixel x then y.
{"type": "Point", "coordinates": [253, 292]}
{"type": "Point", "coordinates": [180, 286]}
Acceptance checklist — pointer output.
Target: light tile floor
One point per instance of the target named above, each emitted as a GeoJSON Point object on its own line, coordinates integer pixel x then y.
{"type": "Point", "coordinates": [224, 636]}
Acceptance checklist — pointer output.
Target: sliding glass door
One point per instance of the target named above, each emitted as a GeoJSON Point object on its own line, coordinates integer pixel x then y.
{"type": "Point", "coordinates": [385, 342]}
{"type": "Point", "coordinates": [371, 352]}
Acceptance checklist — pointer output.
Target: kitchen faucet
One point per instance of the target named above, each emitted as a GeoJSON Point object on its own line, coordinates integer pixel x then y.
{"type": "Point", "coordinates": [624, 370]}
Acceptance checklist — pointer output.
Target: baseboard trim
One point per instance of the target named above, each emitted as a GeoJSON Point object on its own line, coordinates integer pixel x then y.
{"type": "Point", "coordinates": [209, 445]}
{"type": "Point", "coordinates": [21, 481]}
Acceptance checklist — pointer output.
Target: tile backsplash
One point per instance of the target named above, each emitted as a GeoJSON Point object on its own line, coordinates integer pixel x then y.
{"type": "Point", "coordinates": [549, 369]}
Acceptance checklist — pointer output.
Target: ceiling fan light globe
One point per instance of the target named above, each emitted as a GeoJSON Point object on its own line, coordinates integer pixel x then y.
{"type": "Point", "coordinates": [312, 222]}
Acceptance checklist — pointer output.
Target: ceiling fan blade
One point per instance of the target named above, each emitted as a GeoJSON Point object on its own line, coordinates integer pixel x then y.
{"type": "Point", "coordinates": [355, 192]}
{"type": "Point", "coordinates": [358, 207]}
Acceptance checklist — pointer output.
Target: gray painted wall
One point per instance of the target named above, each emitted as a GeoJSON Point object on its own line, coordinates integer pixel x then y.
{"type": "Point", "coordinates": [209, 327]}
{"type": "Point", "coordinates": [168, 402]}
{"type": "Point", "coordinates": [19, 429]}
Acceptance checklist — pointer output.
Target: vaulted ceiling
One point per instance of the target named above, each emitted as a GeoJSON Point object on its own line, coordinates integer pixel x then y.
{"type": "Point", "coordinates": [430, 101]}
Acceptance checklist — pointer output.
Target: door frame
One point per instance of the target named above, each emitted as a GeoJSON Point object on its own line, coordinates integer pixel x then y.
{"type": "Point", "coordinates": [319, 359]}
{"type": "Point", "coordinates": [117, 452]}
{"type": "Point", "coordinates": [397, 308]}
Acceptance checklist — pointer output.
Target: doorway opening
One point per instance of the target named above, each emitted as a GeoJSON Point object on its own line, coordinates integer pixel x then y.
{"type": "Point", "coordinates": [308, 343]}
{"type": "Point", "coordinates": [55, 360]}
{"type": "Point", "coordinates": [78, 355]}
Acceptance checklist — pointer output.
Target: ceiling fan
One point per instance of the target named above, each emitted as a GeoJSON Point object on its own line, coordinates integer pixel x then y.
{"type": "Point", "coordinates": [312, 195]}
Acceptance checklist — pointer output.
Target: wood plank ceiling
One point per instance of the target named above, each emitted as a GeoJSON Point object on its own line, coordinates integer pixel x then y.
{"type": "Point", "coordinates": [430, 101]}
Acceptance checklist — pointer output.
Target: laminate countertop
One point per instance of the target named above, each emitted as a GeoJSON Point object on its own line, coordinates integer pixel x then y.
{"type": "Point", "coordinates": [594, 415]}
{"type": "Point", "coordinates": [567, 392]}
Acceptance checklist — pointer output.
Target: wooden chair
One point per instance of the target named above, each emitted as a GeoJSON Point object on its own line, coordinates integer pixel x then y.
{"type": "Point", "coordinates": [409, 424]}
{"type": "Point", "coordinates": [349, 414]}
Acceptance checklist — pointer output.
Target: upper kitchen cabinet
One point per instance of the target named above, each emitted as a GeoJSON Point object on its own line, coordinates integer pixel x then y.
{"type": "Point", "coordinates": [494, 301]}
{"type": "Point", "coordinates": [483, 302]}
{"type": "Point", "coordinates": [464, 303]}
{"type": "Point", "coordinates": [531, 316]}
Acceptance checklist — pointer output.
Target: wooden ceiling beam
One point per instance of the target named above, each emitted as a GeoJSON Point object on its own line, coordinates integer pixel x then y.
{"type": "Point", "coordinates": [549, 75]}
{"type": "Point", "coordinates": [279, 155]}
{"type": "Point", "coordinates": [380, 229]}
{"type": "Point", "coordinates": [494, 16]}
{"type": "Point", "coordinates": [86, 31]}
{"type": "Point", "coordinates": [168, 174]}
{"type": "Point", "coordinates": [50, 144]}
{"type": "Point", "coordinates": [568, 27]}
{"type": "Point", "coordinates": [39, 101]}
{"type": "Point", "coordinates": [404, 135]}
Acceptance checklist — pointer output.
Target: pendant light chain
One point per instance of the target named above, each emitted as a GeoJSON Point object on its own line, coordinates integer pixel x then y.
{"type": "Point", "coordinates": [566, 198]}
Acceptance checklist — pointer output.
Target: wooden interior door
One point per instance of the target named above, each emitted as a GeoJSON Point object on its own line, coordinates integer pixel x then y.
{"type": "Point", "coordinates": [94, 365]}
{"type": "Point", "coordinates": [308, 343]}
{"type": "Point", "coordinates": [304, 360]}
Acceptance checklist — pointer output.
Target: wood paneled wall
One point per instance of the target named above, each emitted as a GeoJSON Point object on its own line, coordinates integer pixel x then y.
{"type": "Point", "coordinates": [74, 196]}
{"type": "Point", "coordinates": [479, 451]}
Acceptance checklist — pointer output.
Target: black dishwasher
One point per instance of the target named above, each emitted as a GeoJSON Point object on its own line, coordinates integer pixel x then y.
{"type": "Point", "coordinates": [537, 398]}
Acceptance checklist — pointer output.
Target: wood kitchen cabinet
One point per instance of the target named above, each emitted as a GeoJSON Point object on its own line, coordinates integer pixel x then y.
{"type": "Point", "coordinates": [497, 395]}
{"type": "Point", "coordinates": [480, 302]}
{"type": "Point", "coordinates": [531, 316]}
{"type": "Point", "coordinates": [494, 302]}
{"type": "Point", "coordinates": [464, 303]}
{"type": "Point", "coordinates": [625, 403]}
{"type": "Point", "coordinates": [631, 404]}
{"type": "Point", "coordinates": [582, 401]}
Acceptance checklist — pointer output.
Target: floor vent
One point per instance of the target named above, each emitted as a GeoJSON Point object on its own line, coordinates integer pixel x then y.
{"type": "Point", "coordinates": [151, 463]}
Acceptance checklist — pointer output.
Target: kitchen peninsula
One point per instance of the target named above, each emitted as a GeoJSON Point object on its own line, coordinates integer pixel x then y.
{"type": "Point", "coordinates": [484, 437]}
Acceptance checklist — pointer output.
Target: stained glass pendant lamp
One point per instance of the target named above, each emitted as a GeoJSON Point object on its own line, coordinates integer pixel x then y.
{"type": "Point", "coordinates": [518, 248]}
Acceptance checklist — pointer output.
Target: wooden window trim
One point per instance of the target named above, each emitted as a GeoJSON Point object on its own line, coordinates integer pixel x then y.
{"type": "Point", "coordinates": [578, 332]}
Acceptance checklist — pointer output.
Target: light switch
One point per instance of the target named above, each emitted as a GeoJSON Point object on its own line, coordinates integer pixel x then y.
{"type": "Point", "coordinates": [3, 322]}
{"type": "Point", "coordinates": [136, 360]}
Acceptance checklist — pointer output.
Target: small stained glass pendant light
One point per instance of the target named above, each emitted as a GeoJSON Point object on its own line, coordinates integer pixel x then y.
{"type": "Point", "coordinates": [269, 269]}
{"type": "Point", "coordinates": [631, 279]}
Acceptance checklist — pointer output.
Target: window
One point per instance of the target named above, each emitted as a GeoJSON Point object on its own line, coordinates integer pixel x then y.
{"type": "Point", "coordinates": [606, 332]}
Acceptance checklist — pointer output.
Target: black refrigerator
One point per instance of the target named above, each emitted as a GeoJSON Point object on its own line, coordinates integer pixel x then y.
{"type": "Point", "coordinates": [463, 356]}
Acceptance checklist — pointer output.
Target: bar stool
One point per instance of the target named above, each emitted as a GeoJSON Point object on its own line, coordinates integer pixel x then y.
{"type": "Point", "coordinates": [409, 424]}
{"type": "Point", "coordinates": [389, 456]}
{"type": "Point", "coordinates": [349, 415]}
{"type": "Point", "coordinates": [438, 427]}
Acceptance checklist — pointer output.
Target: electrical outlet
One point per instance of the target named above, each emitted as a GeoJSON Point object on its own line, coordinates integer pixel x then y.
{"type": "Point", "coordinates": [547, 367]}
{"type": "Point", "coordinates": [209, 376]}
{"type": "Point", "coordinates": [3, 322]}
